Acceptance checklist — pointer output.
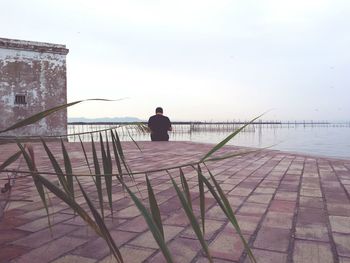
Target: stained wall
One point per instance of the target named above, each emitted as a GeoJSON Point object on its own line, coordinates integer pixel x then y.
{"type": "Point", "coordinates": [32, 79]}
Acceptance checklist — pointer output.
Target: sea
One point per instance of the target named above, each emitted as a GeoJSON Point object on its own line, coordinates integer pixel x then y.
{"type": "Point", "coordinates": [329, 140]}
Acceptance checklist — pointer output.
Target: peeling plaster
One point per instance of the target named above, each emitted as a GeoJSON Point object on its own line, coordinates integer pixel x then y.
{"type": "Point", "coordinates": [40, 74]}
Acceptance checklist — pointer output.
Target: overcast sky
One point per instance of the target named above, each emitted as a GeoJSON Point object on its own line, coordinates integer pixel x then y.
{"type": "Point", "coordinates": [200, 60]}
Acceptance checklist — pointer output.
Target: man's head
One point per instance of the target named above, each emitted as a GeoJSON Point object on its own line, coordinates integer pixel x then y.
{"type": "Point", "coordinates": [159, 110]}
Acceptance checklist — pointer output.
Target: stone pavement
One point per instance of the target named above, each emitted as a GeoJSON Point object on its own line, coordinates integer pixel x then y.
{"type": "Point", "coordinates": [291, 208]}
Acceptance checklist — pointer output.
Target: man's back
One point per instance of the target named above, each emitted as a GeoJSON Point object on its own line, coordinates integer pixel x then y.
{"type": "Point", "coordinates": [159, 126]}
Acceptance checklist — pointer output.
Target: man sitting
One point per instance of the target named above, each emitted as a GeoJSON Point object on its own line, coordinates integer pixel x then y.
{"type": "Point", "coordinates": [159, 125]}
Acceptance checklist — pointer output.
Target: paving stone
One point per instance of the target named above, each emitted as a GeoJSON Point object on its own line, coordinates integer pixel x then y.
{"type": "Point", "coordinates": [137, 224]}
{"type": "Point", "coordinates": [98, 247]}
{"type": "Point", "coordinates": [10, 251]}
{"type": "Point", "coordinates": [169, 206]}
{"type": "Point", "coordinates": [51, 251]}
{"type": "Point", "coordinates": [311, 216]}
{"type": "Point", "coordinates": [216, 260]}
{"type": "Point", "coordinates": [265, 190]}
{"type": "Point", "coordinates": [312, 192]}
{"type": "Point", "coordinates": [179, 218]}
{"type": "Point", "coordinates": [211, 227]}
{"type": "Point", "coordinates": [344, 260]}
{"type": "Point", "coordinates": [342, 243]}
{"type": "Point", "coordinates": [338, 209]}
{"type": "Point", "coordinates": [267, 173]}
{"type": "Point", "coordinates": [42, 223]}
{"type": "Point", "coordinates": [147, 240]}
{"type": "Point", "coordinates": [227, 245]}
{"type": "Point", "coordinates": [74, 259]}
{"type": "Point", "coordinates": [287, 196]}
{"type": "Point", "coordinates": [130, 255]}
{"type": "Point", "coordinates": [266, 256]}
{"type": "Point", "coordinates": [340, 224]}
{"type": "Point", "coordinates": [241, 191]}
{"type": "Point", "coordinates": [289, 187]}
{"type": "Point", "coordinates": [216, 213]}
{"type": "Point", "coordinates": [129, 212]}
{"type": "Point", "coordinates": [248, 224]}
{"type": "Point", "coordinates": [312, 232]}
{"type": "Point", "coordinates": [182, 250]}
{"type": "Point", "coordinates": [252, 209]}
{"type": "Point", "coordinates": [312, 252]}
{"type": "Point", "coordinates": [276, 239]}
{"type": "Point", "coordinates": [235, 201]}
{"type": "Point", "coordinates": [314, 202]}
{"type": "Point", "coordinates": [278, 220]}
{"type": "Point", "coordinates": [282, 206]}
{"type": "Point", "coordinates": [8, 235]}
{"type": "Point", "coordinates": [260, 198]}
{"type": "Point", "coordinates": [41, 237]}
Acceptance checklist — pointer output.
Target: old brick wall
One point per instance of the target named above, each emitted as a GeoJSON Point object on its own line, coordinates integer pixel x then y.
{"type": "Point", "coordinates": [32, 79]}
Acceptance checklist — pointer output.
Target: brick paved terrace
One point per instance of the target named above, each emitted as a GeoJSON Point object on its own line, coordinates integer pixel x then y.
{"type": "Point", "coordinates": [291, 208]}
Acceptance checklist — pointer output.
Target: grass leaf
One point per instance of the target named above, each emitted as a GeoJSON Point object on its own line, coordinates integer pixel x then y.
{"type": "Point", "coordinates": [227, 139]}
{"type": "Point", "coordinates": [57, 168]}
{"type": "Point", "coordinates": [36, 117]}
{"type": "Point", "coordinates": [98, 176]}
{"type": "Point", "coordinates": [201, 197]}
{"type": "Point", "coordinates": [69, 170]}
{"type": "Point", "coordinates": [195, 226]}
{"type": "Point", "coordinates": [103, 229]}
{"type": "Point", "coordinates": [154, 207]}
{"type": "Point", "coordinates": [107, 170]}
{"type": "Point", "coordinates": [85, 155]}
{"type": "Point", "coordinates": [151, 224]}
{"type": "Point", "coordinates": [186, 188]}
{"type": "Point", "coordinates": [38, 185]}
{"type": "Point", "coordinates": [10, 160]}
{"type": "Point", "coordinates": [116, 155]}
{"type": "Point", "coordinates": [229, 213]}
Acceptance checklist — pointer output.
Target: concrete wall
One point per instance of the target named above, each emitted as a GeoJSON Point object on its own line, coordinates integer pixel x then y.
{"type": "Point", "coordinates": [34, 72]}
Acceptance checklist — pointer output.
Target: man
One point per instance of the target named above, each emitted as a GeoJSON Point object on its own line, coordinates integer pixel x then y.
{"type": "Point", "coordinates": [159, 126]}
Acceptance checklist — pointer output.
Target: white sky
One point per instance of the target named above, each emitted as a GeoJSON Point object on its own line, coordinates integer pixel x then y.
{"type": "Point", "coordinates": [199, 60]}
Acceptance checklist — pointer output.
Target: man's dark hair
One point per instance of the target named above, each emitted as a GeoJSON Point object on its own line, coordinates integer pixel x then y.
{"type": "Point", "coordinates": [159, 110]}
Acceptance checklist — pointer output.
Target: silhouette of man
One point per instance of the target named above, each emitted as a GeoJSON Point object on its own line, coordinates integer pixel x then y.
{"type": "Point", "coordinates": [159, 125]}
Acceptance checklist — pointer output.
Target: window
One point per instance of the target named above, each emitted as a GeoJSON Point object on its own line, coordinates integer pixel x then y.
{"type": "Point", "coordinates": [20, 99]}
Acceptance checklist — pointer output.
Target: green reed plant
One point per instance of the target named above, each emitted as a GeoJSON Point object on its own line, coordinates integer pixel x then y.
{"type": "Point", "coordinates": [111, 152]}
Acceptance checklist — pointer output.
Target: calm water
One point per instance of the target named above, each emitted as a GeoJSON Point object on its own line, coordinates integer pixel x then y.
{"type": "Point", "coordinates": [324, 140]}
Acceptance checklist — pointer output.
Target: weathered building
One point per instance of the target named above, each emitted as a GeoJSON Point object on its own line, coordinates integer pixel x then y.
{"type": "Point", "coordinates": [32, 79]}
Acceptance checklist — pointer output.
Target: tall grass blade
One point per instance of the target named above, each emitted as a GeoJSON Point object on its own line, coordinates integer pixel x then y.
{"type": "Point", "coordinates": [85, 155]}
{"type": "Point", "coordinates": [192, 218]}
{"type": "Point", "coordinates": [228, 138]}
{"type": "Point", "coordinates": [232, 216]}
{"type": "Point", "coordinates": [116, 156]}
{"type": "Point", "coordinates": [122, 157]}
{"type": "Point", "coordinates": [229, 213]}
{"type": "Point", "coordinates": [30, 160]}
{"type": "Point", "coordinates": [119, 145]}
{"type": "Point", "coordinates": [43, 114]}
{"type": "Point", "coordinates": [69, 170]}
{"type": "Point", "coordinates": [98, 176]}
{"type": "Point", "coordinates": [151, 224]}
{"type": "Point", "coordinates": [10, 160]}
{"type": "Point", "coordinates": [103, 229]}
{"type": "Point", "coordinates": [56, 167]}
{"type": "Point", "coordinates": [154, 207]}
{"type": "Point", "coordinates": [137, 145]}
{"type": "Point", "coordinates": [107, 170]}
{"type": "Point", "coordinates": [186, 188]}
{"type": "Point", "coordinates": [201, 197]}
{"type": "Point", "coordinates": [227, 156]}
{"type": "Point", "coordinates": [69, 201]}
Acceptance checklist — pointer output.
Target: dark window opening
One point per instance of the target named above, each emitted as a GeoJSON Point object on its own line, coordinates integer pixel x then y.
{"type": "Point", "coordinates": [20, 99]}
